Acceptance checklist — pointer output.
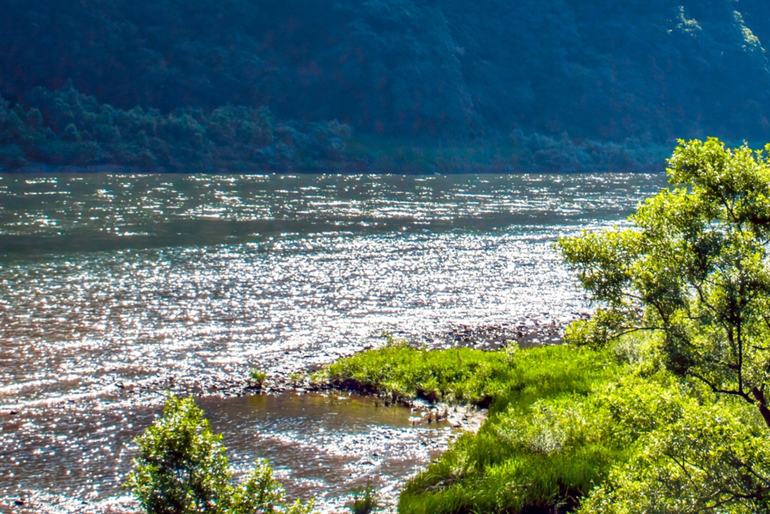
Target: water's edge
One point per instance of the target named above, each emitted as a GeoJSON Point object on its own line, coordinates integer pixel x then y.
{"type": "Point", "coordinates": [117, 289]}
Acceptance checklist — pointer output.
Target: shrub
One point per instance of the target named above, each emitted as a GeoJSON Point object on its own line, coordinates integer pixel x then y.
{"type": "Point", "coordinates": [365, 501]}
{"type": "Point", "coordinates": [709, 460]}
{"type": "Point", "coordinates": [695, 269]}
{"type": "Point", "coordinates": [258, 376]}
{"type": "Point", "coordinates": [182, 468]}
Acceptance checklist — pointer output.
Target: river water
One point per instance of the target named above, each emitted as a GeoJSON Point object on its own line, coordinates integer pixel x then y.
{"type": "Point", "coordinates": [113, 284]}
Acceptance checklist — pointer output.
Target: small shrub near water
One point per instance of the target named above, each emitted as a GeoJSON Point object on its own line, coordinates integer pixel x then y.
{"type": "Point", "coordinates": [182, 468]}
{"type": "Point", "coordinates": [297, 379]}
{"type": "Point", "coordinates": [365, 501]}
{"type": "Point", "coordinates": [258, 376]}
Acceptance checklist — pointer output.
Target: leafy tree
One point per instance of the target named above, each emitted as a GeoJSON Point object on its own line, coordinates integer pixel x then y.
{"type": "Point", "coordinates": [182, 465]}
{"type": "Point", "coordinates": [708, 461]}
{"type": "Point", "coordinates": [182, 468]}
{"type": "Point", "coordinates": [694, 269]}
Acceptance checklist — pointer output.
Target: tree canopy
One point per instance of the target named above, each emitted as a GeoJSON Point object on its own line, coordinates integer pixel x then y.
{"type": "Point", "coordinates": [453, 69]}
{"type": "Point", "coordinates": [693, 269]}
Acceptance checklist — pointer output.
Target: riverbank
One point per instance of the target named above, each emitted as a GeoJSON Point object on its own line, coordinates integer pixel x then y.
{"type": "Point", "coordinates": [114, 405]}
{"type": "Point", "coordinates": [212, 276]}
{"type": "Point", "coordinates": [509, 465]}
{"type": "Point", "coordinates": [284, 375]}
{"type": "Point", "coordinates": [562, 420]}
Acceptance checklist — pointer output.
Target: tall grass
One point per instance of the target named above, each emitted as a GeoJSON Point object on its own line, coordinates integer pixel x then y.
{"type": "Point", "coordinates": [544, 445]}
{"type": "Point", "coordinates": [462, 375]}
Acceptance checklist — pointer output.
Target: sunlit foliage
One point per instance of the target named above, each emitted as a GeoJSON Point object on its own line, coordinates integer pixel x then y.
{"type": "Point", "coordinates": [694, 268]}
{"type": "Point", "coordinates": [182, 468]}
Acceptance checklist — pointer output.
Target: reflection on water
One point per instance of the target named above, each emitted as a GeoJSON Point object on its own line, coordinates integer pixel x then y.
{"type": "Point", "coordinates": [108, 212]}
{"type": "Point", "coordinates": [109, 281]}
{"type": "Point", "coordinates": [327, 445]}
{"type": "Point", "coordinates": [318, 445]}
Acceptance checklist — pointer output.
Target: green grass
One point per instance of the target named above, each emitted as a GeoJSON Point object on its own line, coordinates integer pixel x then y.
{"type": "Point", "coordinates": [365, 501]}
{"type": "Point", "coordinates": [547, 440]}
{"type": "Point", "coordinates": [399, 373]}
{"type": "Point", "coordinates": [462, 375]}
{"type": "Point", "coordinates": [538, 456]}
{"type": "Point", "coordinates": [565, 423]}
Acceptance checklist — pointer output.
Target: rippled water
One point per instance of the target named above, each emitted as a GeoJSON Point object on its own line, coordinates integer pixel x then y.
{"type": "Point", "coordinates": [322, 446]}
{"type": "Point", "coordinates": [111, 281]}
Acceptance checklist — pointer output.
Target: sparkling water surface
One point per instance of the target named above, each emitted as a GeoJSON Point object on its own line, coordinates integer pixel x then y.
{"type": "Point", "coordinates": [109, 281]}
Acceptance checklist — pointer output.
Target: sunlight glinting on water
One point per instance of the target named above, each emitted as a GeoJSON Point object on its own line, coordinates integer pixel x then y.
{"type": "Point", "coordinates": [304, 295]}
{"type": "Point", "coordinates": [112, 281]}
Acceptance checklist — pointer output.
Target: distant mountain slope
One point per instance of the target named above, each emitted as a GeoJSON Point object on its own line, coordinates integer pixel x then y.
{"type": "Point", "coordinates": [450, 69]}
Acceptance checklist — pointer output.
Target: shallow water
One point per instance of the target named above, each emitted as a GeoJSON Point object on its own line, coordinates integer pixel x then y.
{"type": "Point", "coordinates": [326, 445]}
{"type": "Point", "coordinates": [111, 282]}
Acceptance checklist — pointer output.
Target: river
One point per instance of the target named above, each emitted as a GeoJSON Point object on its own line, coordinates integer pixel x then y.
{"type": "Point", "coordinates": [117, 288]}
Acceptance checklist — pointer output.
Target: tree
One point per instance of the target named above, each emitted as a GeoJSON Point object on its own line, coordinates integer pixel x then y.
{"type": "Point", "coordinates": [182, 468]}
{"type": "Point", "coordinates": [694, 270]}
{"type": "Point", "coordinates": [710, 461]}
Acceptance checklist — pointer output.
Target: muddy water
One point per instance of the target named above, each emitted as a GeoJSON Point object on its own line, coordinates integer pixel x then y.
{"type": "Point", "coordinates": [327, 445]}
{"type": "Point", "coordinates": [115, 288]}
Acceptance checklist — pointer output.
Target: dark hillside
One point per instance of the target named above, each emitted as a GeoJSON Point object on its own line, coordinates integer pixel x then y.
{"type": "Point", "coordinates": [444, 71]}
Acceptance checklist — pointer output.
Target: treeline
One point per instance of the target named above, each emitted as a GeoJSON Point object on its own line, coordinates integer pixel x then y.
{"type": "Point", "coordinates": [67, 128]}
{"type": "Point", "coordinates": [454, 71]}
{"type": "Point", "coordinates": [517, 152]}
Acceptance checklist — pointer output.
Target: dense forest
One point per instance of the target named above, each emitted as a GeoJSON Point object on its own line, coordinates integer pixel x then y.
{"type": "Point", "coordinates": [606, 83]}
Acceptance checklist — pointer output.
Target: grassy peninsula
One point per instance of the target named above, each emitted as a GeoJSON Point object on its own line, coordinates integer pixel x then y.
{"type": "Point", "coordinates": [658, 404]}
{"type": "Point", "coordinates": [529, 452]}
{"type": "Point", "coordinates": [574, 429]}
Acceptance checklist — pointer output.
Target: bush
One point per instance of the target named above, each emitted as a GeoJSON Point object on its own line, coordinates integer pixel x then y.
{"type": "Point", "coordinates": [695, 269]}
{"type": "Point", "coordinates": [258, 376]}
{"type": "Point", "coordinates": [710, 460]}
{"type": "Point", "coordinates": [182, 468]}
{"type": "Point", "coordinates": [365, 501]}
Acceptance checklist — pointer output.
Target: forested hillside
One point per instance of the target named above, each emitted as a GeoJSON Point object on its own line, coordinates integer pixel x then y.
{"type": "Point", "coordinates": [443, 73]}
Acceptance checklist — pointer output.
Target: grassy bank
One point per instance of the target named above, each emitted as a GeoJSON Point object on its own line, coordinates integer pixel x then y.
{"type": "Point", "coordinates": [523, 456]}
{"type": "Point", "coordinates": [567, 425]}
{"type": "Point", "coordinates": [462, 375]}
